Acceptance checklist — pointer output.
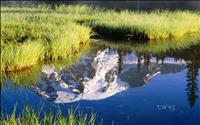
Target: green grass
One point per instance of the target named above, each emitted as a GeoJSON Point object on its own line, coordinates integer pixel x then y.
{"type": "Point", "coordinates": [21, 56]}
{"type": "Point", "coordinates": [31, 117]}
{"type": "Point", "coordinates": [155, 25]}
{"type": "Point", "coordinates": [33, 74]}
{"type": "Point", "coordinates": [27, 39]}
{"type": "Point", "coordinates": [43, 32]}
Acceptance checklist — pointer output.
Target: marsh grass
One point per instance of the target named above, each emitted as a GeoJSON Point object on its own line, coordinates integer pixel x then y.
{"type": "Point", "coordinates": [27, 40]}
{"type": "Point", "coordinates": [32, 75]}
{"type": "Point", "coordinates": [30, 117]}
{"type": "Point", "coordinates": [60, 31]}
{"type": "Point", "coordinates": [21, 56]}
{"type": "Point", "coordinates": [154, 26]}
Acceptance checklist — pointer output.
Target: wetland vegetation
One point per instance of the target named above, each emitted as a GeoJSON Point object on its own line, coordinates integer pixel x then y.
{"type": "Point", "coordinates": [50, 32]}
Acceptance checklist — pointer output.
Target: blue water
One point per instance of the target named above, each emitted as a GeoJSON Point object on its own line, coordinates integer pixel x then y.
{"type": "Point", "coordinates": [168, 99]}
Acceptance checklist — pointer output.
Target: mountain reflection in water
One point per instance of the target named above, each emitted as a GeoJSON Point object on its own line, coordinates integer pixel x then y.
{"type": "Point", "coordinates": [107, 72]}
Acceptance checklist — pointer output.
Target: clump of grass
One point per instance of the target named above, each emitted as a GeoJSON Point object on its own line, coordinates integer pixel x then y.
{"type": "Point", "coordinates": [155, 25]}
{"type": "Point", "coordinates": [31, 117]}
{"type": "Point", "coordinates": [31, 39]}
{"type": "Point", "coordinates": [17, 57]}
{"type": "Point", "coordinates": [73, 8]}
{"type": "Point", "coordinates": [70, 41]}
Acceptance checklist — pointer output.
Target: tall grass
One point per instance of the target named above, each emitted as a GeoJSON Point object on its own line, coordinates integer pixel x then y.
{"type": "Point", "coordinates": [31, 117]}
{"type": "Point", "coordinates": [33, 74]}
{"type": "Point", "coordinates": [60, 35]}
{"type": "Point", "coordinates": [21, 56]}
{"type": "Point", "coordinates": [27, 39]}
{"type": "Point", "coordinates": [155, 25]}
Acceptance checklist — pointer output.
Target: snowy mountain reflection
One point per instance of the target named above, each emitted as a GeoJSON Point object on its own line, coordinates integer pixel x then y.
{"type": "Point", "coordinates": [103, 74]}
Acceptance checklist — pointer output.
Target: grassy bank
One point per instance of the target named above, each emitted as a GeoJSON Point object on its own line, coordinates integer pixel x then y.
{"type": "Point", "coordinates": [31, 117]}
{"type": "Point", "coordinates": [44, 32]}
{"type": "Point", "coordinates": [153, 25]}
{"type": "Point", "coordinates": [27, 39]}
{"type": "Point", "coordinates": [33, 74]}
{"type": "Point", "coordinates": [140, 25]}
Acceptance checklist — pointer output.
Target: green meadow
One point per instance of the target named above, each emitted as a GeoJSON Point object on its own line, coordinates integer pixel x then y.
{"type": "Point", "coordinates": [30, 35]}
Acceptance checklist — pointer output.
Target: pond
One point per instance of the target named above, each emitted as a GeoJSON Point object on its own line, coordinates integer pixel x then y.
{"type": "Point", "coordinates": [124, 84]}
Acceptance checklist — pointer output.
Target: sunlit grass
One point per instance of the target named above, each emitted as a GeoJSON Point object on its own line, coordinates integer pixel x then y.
{"type": "Point", "coordinates": [28, 39]}
{"type": "Point", "coordinates": [30, 117]}
{"type": "Point", "coordinates": [57, 33]}
{"type": "Point", "coordinates": [154, 25]}
{"type": "Point", "coordinates": [32, 75]}
{"type": "Point", "coordinates": [16, 57]}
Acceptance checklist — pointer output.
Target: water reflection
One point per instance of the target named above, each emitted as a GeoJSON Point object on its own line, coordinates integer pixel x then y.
{"type": "Point", "coordinates": [192, 84]}
{"type": "Point", "coordinates": [94, 78]}
{"type": "Point", "coordinates": [192, 58]}
{"type": "Point", "coordinates": [108, 71]}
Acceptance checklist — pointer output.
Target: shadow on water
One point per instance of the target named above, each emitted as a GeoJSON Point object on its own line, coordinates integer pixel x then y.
{"type": "Point", "coordinates": [108, 68]}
